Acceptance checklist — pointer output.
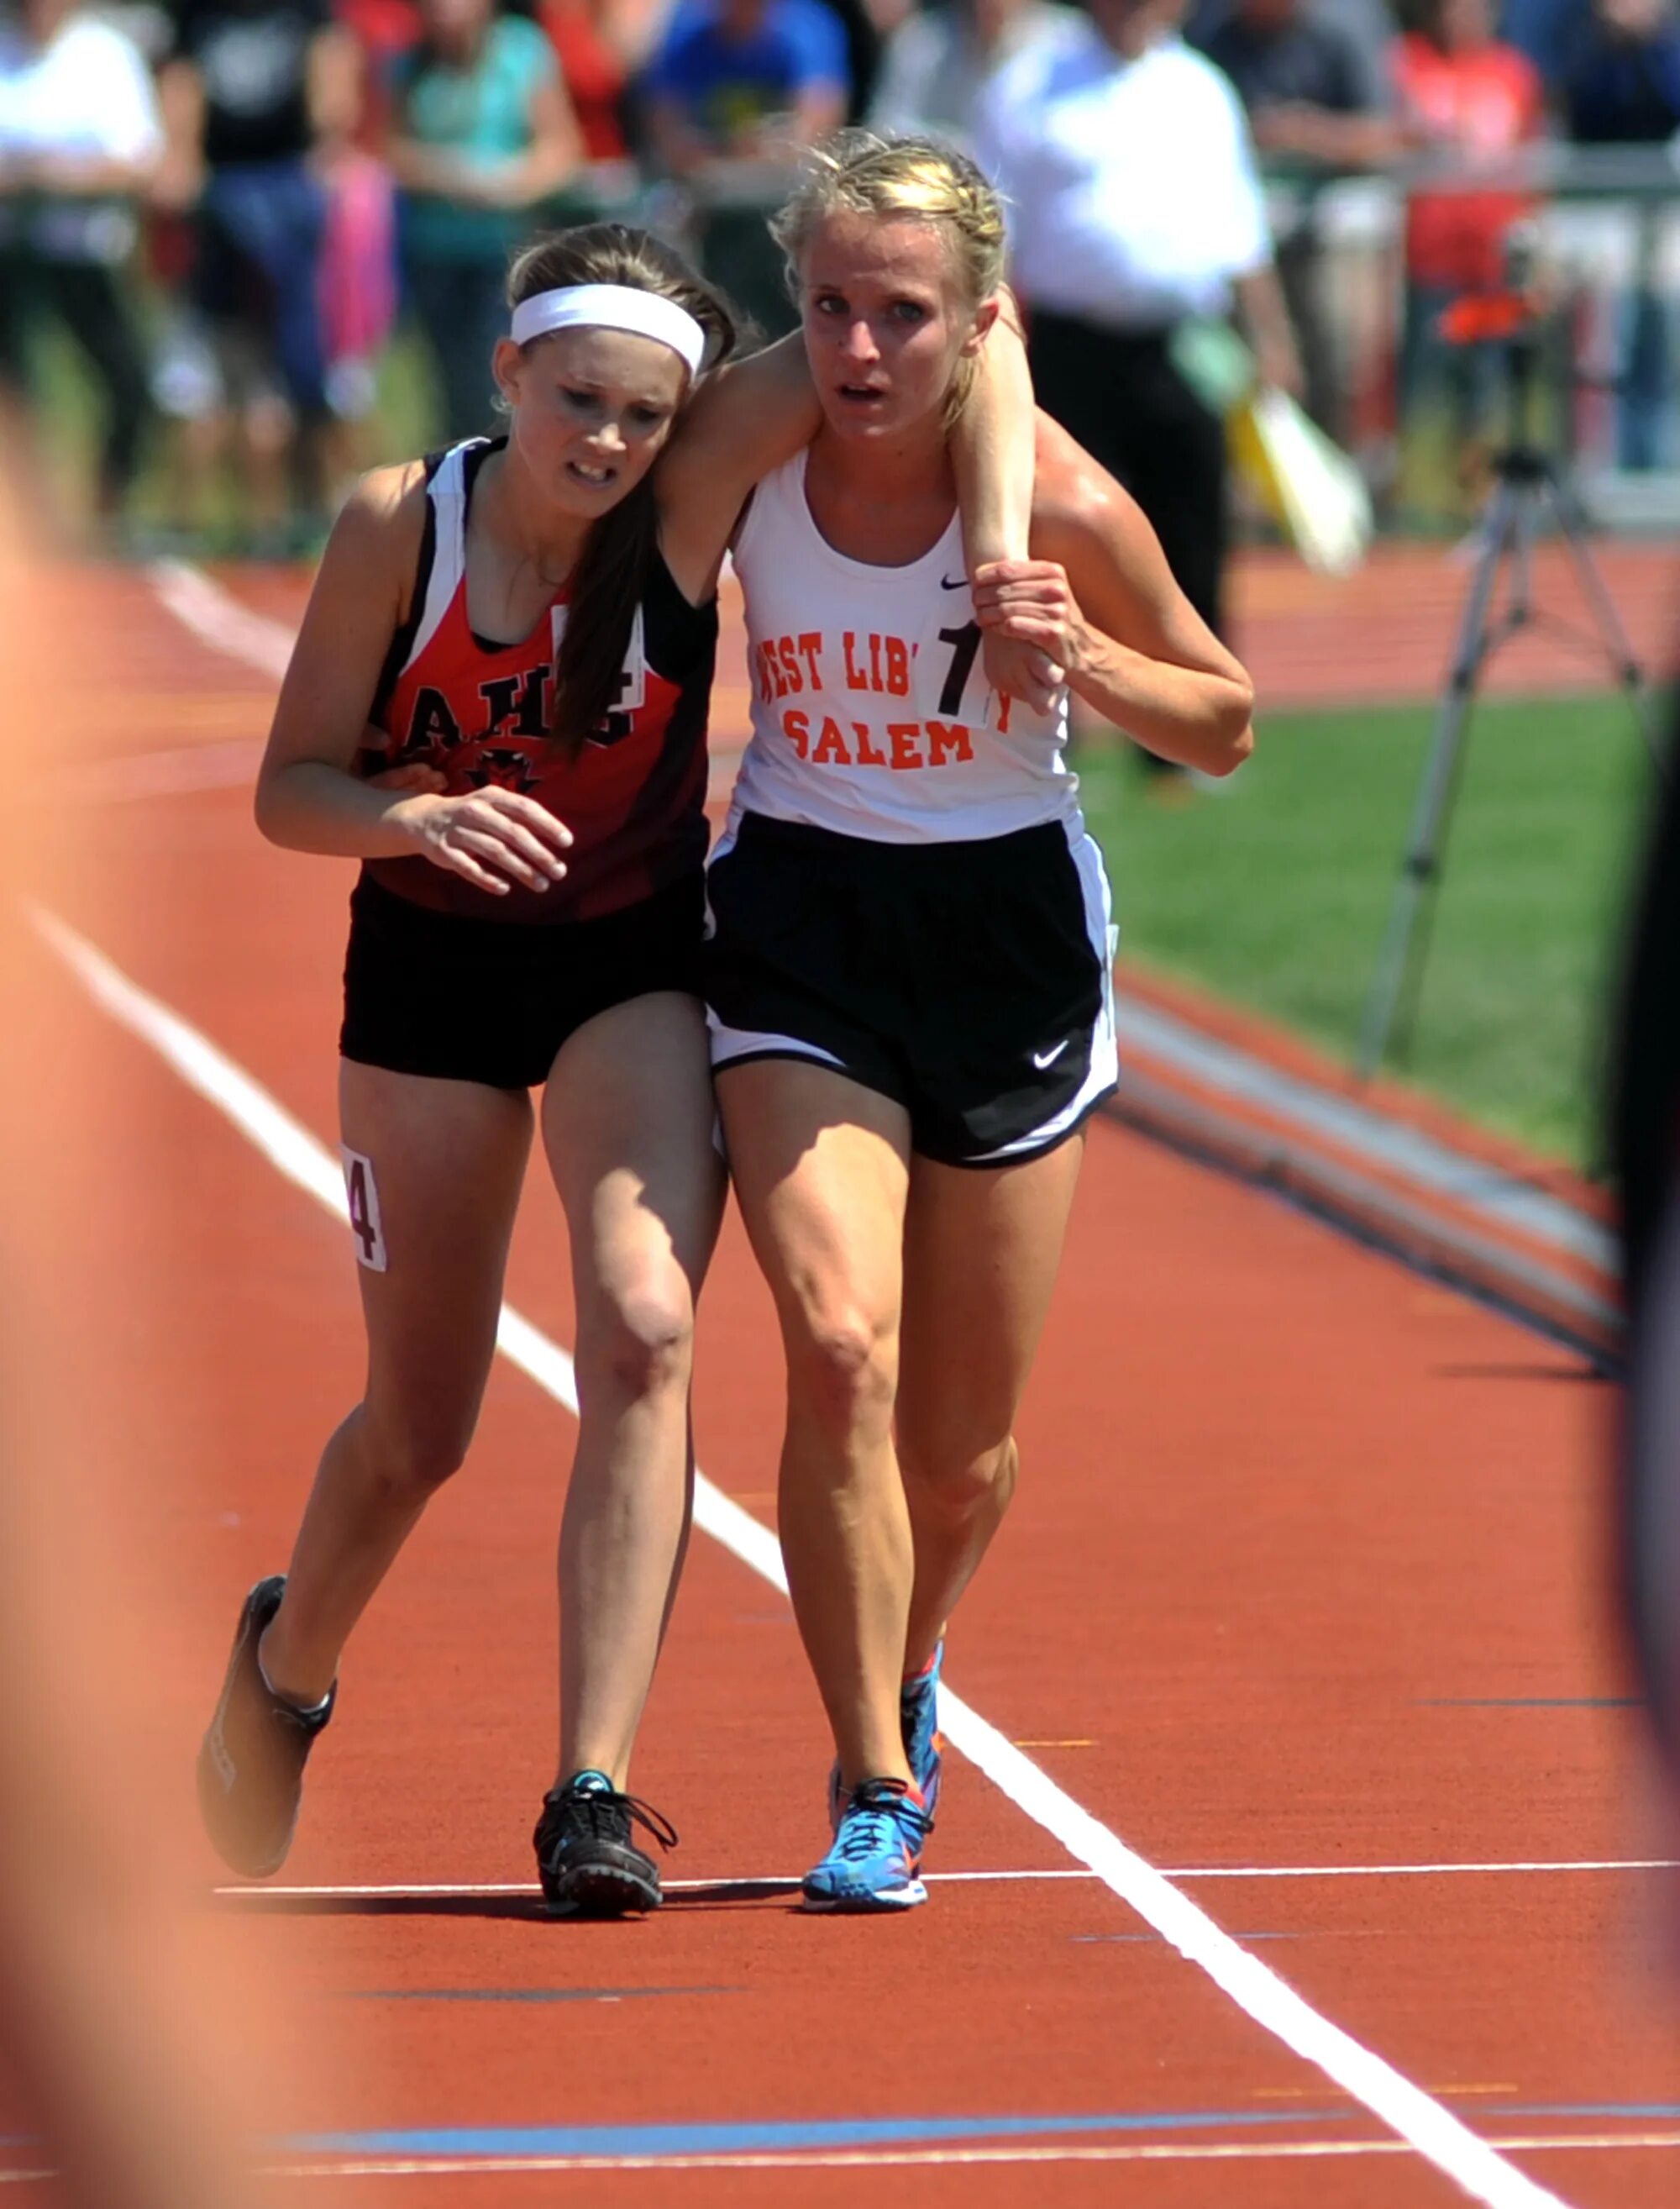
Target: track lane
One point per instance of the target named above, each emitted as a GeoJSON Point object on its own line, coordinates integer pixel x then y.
{"type": "Point", "coordinates": [1152, 1675]}
{"type": "Point", "coordinates": [447, 1700]}
{"type": "Point", "coordinates": [877, 1929]}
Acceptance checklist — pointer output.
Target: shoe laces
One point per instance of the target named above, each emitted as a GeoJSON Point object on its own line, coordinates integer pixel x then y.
{"type": "Point", "coordinates": [875, 1817]}
{"type": "Point", "coordinates": [606, 1814]}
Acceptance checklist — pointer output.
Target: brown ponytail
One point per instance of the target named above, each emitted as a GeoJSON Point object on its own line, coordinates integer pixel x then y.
{"type": "Point", "coordinates": [613, 567]}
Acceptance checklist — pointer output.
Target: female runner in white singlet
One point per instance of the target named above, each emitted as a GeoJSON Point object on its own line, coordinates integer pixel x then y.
{"type": "Point", "coordinates": [528, 626]}
{"type": "Point", "coordinates": [908, 976]}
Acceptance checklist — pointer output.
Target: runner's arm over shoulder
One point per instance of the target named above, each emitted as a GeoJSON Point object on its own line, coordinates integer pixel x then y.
{"type": "Point", "coordinates": [1098, 596]}
{"type": "Point", "coordinates": [748, 417]}
{"type": "Point", "coordinates": [308, 796]}
{"type": "Point", "coordinates": [993, 453]}
{"type": "Point", "coordinates": [993, 445]}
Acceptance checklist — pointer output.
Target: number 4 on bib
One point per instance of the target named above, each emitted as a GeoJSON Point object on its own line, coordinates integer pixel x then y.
{"type": "Point", "coordinates": [363, 1194]}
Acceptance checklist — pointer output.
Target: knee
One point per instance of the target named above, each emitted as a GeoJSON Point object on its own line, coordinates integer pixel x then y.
{"type": "Point", "coordinates": [842, 1371]}
{"type": "Point", "coordinates": [641, 1345]}
{"type": "Point", "coordinates": [961, 1481]}
{"type": "Point", "coordinates": [408, 1455]}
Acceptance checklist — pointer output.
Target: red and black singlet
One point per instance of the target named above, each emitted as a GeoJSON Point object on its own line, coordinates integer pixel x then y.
{"type": "Point", "coordinates": [633, 798]}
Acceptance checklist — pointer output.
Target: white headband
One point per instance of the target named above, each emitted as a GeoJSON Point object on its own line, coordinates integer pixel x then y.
{"type": "Point", "coordinates": [612, 307]}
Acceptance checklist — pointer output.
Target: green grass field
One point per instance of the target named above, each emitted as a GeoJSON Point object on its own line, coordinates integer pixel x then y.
{"type": "Point", "coordinates": [1273, 890]}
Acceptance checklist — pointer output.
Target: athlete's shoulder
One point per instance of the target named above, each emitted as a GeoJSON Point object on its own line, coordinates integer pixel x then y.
{"type": "Point", "coordinates": [380, 525]}
{"type": "Point", "coordinates": [388, 499]}
{"type": "Point", "coordinates": [372, 555]}
{"type": "Point", "coordinates": [1076, 502]}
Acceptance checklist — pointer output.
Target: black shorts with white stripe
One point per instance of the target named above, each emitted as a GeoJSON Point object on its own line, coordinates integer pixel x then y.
{"type": "Point", "coordinates": [968, 981]}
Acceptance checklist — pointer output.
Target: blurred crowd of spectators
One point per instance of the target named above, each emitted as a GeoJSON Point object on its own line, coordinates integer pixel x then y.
{"type": "Point", "coordinates": [229, 206]}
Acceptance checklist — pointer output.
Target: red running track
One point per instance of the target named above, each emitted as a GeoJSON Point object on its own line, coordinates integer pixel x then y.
{"type": "Point", "coordinates": [1305, 1571]}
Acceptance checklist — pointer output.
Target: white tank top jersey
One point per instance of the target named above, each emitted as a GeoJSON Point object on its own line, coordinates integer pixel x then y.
{"type": "Point", "coordinates": [871, 711]}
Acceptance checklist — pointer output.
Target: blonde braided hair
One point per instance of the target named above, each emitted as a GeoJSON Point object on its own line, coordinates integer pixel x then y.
{"type": "Point", "coordinates": [860, 172]}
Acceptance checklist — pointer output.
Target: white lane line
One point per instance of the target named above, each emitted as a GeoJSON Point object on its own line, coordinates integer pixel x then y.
{"type": "Point", "coordinates": [487, 1888]}
{"type": "Point", "coordinates": [467, 1889]}
{"type": "Point", "coordinates": [1418, 1870]}
{"type": "Point", "coordinates": [216, 618]}
{"type": "Point", "coordinates": [896, 2158]}
{"type": "Point", "coordinates": [1436, 2134]}
{"type": "Point", "coordinates": [175, 774]}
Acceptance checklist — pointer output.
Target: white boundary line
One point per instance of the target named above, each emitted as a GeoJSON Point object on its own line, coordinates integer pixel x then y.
{"type": "Point", "coordinates": [895, 2158]}
{"type": "Point", "coordinates": [210, 612]}
{"type": "Point", "coordinates": [1418, 1871]}
{"type": "Point", "coordinates": [218, 619]}
{"type": "Point", "coordinates": [1441, 2138]}
{"type": "Point", "coordinates": [892, 2158]}
{"type": "Point", "coordinates": [468, 1889]}
{"type": "Point", "coordinates": [180, 773]}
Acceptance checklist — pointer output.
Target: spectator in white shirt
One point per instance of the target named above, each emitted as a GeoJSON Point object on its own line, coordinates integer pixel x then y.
{"type": "Point", "coordinates": [80, 137]}
{"type": "Point", "coordinates": [937, 64]}
{"type": "Point", "coordinates": [1137, 211]}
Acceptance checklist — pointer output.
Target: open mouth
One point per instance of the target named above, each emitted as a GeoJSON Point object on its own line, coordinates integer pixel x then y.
{"type": "Point", "coordinates": [862, 394]}
{"type": "Point", "coordinates": [591, 478]}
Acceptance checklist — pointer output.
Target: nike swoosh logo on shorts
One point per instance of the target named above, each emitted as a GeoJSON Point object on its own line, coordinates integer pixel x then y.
{"type": "Point", "coordinates": [1043, 1058]}
{"type": "Point", "coordinates": [961, 584]}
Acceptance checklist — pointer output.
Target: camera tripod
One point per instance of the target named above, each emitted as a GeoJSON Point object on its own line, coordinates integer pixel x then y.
{"type": "Point", "coordinates": [1528, 495]}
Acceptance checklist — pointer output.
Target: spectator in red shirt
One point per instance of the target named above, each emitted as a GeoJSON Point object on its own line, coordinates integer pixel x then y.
{"type": "Point", "coordinates": [1474, 101]}
{"type": "Point", "coordinates": [1467, 94]}
{"type": "Point", "coordinates": [597, 44]}
{"type": "Point", "coordinates": [384, 32]}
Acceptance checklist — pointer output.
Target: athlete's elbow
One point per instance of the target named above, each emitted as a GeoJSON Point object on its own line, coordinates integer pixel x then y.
{"type": "Point", "coordinates": [268, 810]}
{"type": "Point", "coordinates": [1232, 730]}
{"type": "Point", "coordinates": [274, 809]}
{"type": "Point", "coordinates": [1234, 747]}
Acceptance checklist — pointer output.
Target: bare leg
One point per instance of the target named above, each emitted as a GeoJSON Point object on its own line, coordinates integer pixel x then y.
{"type": "Point", "coordinates": [628, 1121]}
{"type": "Point", "coordinates": [199, 444]}
{"type": "Point", "coordinates": [821, 1170]}
{"type": "Point", "coordinates": [448, 1158]}
{"type": "Point", "coordinates": [982, 1248]}
{"type": "Point", "coordinates": [270, 431]}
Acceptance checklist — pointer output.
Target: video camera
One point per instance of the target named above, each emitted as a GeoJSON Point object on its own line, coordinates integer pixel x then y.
{"type": "Point", "coordinates": [1518, 304]}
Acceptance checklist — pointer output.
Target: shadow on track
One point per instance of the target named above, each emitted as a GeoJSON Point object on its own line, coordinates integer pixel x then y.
{"type": "Point", "coordinates": [718, 1894]}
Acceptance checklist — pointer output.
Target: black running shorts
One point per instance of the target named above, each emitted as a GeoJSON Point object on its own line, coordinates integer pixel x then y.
{"type": "Point", "coordinates": [470, 1000]}
{"type": "Point", "coordinates": [968, 981]}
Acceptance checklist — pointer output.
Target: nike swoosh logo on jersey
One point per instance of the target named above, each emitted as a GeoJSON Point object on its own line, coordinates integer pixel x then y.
{"type": "Point", "coordinates": [961, 584]}
{"type": "Point", "coordinates": [1043, 1058]}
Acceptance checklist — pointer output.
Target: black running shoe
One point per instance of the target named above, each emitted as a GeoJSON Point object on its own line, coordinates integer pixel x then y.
{"type": "Point", "coordinates": [588, 1863]}
{"type": "Point", "coordinates": [250, 1767]}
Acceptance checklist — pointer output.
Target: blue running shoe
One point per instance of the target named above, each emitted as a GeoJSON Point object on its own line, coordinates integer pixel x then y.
{"type": "Point", "coordinates": [918, 1723]}
{"type": "Point", "coordinates": [919, 1719]}
{"type": "Point", "coordinates": [877, 1852]}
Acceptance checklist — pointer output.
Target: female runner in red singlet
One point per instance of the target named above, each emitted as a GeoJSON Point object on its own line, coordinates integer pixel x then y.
{"type": "Point", "coordinates": [528, 625]}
